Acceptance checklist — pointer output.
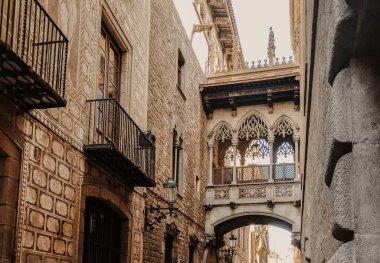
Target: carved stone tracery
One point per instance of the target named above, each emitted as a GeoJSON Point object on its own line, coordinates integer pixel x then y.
{"type": "Point", "coordinates": [252, 192]}
{"type": "Point", "coordinates": [284, 190]}
{"type": "Point", "coordinates": [223, 133]}
{"type": "Point", "coordinates": [253, 127]}
{"type": "Point", "coordinates": [222, 194]}
{"type": "Point", "coordinates": [283, 128]}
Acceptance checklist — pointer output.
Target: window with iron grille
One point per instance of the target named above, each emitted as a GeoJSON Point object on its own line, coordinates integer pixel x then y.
{"type": "Point", "coordinates": [177, 159]}
{"type": "Point", "coordinates": [102, 238]}
{"type": "Point", "coordinates": [180, 69]}
{"type": "Point", "coordinates": [169, 243]}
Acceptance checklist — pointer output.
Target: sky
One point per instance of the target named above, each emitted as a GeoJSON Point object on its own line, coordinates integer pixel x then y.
{"type": "Point", "coordinates": [280, 243]}
{"type": "Point", "coordinates": [253, 19]}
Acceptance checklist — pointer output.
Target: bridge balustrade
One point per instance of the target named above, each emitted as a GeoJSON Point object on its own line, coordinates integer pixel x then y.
{"type": "Point", "coordinates": [254, 174]}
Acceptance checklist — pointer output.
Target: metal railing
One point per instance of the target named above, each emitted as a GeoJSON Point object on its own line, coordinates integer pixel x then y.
{"type": "Point", "coordinates": [222, 175]}
{"type": "Point", "coordinates": [27, 29]}
{"type": "Point", "coordinates": [284, 172]}
{"type": "Point", "coordinates": [252, 174]}
{"type": "Point", "coordinates": [111, 125]}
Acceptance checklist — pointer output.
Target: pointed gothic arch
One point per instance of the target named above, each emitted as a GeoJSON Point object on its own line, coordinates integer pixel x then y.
{"type": "Point", "coordinates": [222, 132]}
{"type": "Point", "coordinates": [284, 125]}
{"type": "Point", "coordinates": [252, 125]}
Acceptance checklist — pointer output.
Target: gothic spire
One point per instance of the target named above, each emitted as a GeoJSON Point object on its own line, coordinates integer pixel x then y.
{"type": "Point", "coordinates": [271, 47]}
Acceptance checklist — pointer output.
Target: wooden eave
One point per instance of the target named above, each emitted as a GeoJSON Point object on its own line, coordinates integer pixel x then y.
{"type": "Point", "coordinates": [267, 90]}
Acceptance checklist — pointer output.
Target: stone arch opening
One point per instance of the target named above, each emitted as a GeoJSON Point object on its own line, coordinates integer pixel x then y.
{"type": "Point", "coordinates": [232, 223]}
{"type": "Point", "coordinates": [10, 159]}
{"type": "Point", "coordinates": [108, 198]}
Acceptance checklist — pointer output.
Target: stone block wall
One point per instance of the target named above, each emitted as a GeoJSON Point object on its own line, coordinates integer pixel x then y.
{"type": "Point", "coordinates": [55, 176]}
{"type": "Point", "coordinates": [172, 107]}
{"type": "Point", "coordinates": [341, 203]}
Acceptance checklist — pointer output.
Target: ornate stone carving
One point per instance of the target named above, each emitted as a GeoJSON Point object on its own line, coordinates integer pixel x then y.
{"type": "Point", "coordinates": [222, 194]}
{"type": "Point", "coordinates": [223, 133]}
{"type": "Point", "coordinates": [253, 127]}
{"type": "Point", "coordinates": [283, 128]}
{"type": "Point", "coordinates": [284, 190]}
{"type": "Point", "coordinates": [271, 47]}
{"type": "Point", "coordinates": [252, 192]}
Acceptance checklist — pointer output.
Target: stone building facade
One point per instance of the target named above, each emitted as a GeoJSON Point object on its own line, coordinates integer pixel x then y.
{"type": "Point", "coordinates": [49, 179]}
{"type": "Point", "coordinates": [175, 117]}
{"type": "Point", "coordinates": [341, 205]}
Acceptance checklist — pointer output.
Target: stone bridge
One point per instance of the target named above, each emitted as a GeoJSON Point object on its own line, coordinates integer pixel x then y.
{"type": "Point", "coordinates": [232, 206]}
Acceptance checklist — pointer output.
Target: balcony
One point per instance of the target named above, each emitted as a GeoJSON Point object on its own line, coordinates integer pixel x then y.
{"type": "Point", "coordinates": [253, 185]}
{"type": "Point", "coordinates": [33, 56]}
{"type": "Point", "coordinates": [254, 174]}
{"type": "Point", "coordinates": [117, 144]}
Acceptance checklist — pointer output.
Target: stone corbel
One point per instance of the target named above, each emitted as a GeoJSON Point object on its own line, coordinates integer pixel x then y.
{"type": "Point", "coordinates": [296, 99]}
{"type": "Point", "coordinates": [270, 101]}
{"type": "Point", "coordinates": [233, 105]}
{"type": "Point", "coordinates": [208, 108]}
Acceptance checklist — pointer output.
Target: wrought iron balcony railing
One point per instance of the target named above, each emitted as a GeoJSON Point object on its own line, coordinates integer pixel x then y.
{"type": "Point", "coordinates": [117, 143]}
{"type": "Point", "coordinates": [33, 55]}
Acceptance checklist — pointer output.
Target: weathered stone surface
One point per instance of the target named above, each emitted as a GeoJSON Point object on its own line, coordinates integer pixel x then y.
{"type": "Point", "coordinates": [69, 193]}
{"type": "Point", "coordinates": [63, 171]}
{"type": "Point", "coordinates": [43, 243]}
{"type": "Point", "coordinates": [57, 148]}
{"type": "Point", "coordinates": [46, 202]}
{"type": "Point", "coordinates": [55, 186]}
{"type": "Point", "coordinates": [31, 258]}
{"type": "Point", "coordinates": [42, 137]}
{"type": "Point", "coordinates": [67, 229]}
{"type": "Point", "coordinates": [345, 253]}
{"type": "Point", "coordinates": [342, 192]}
{"type": "Point", "coordinates": [338, 122]}
{"type": "Point", "coordinates": [49, 162]}
{"type": "Point", "coordinates": [52, 224]}
{"type": "Point", "coordinates": [59, 246]}
{"type": "Point", "coordinates": [31, 195]}
{"type": "Point", "coordinates": [36, 219]}
{"type": "Point", "coordinates": [340, 37]}
{"type": "Point", "coordinates": [28, 239]}
{"type": "Point", "coordinates": [39, 178]}
{"type": "Point", "coordinates": [61, 208]}
{"type": "Point", "coordinates": [71, 157]}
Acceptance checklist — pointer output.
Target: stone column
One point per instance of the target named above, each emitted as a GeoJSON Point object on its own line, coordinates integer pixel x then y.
{"type": "Point", "coordinates": [234, 146]}
{"type": "Point", "coordinates": [271, 141]}
{"type": "Point", "coordinates": [296, 139]}
{"type": "Point", "coordinates": [211, 156]}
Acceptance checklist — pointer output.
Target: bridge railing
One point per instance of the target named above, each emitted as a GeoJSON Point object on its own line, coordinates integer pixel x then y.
{"type": "Point", "coordinates": [222, 175]}
{"type": "Point", "coordinates": [254, 174]}
{"type": "Point", "coordinates": [264, 192]}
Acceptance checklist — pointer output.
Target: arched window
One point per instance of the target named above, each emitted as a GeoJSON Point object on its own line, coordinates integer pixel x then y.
{"type": "Point", "coordinates": [103, 228]}
{"type": "Point", "coordinates": [253, 127]}
{"type": "Point", "coordinates": [284, 167]}
{"type": "Point", "coordinates": [228, 157]}
{"type": "Point", "coordinates": [223, 155]}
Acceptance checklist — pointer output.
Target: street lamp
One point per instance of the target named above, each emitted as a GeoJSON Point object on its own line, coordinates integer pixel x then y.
{"type": "Point", "coordinates": [232, 242]}
{"type": "Point", "coordinates": [228, 253]}
{"type": "Point", "coordinates": [170, 194]}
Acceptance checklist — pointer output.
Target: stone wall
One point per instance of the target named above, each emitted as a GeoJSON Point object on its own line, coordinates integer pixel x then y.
{"type": "Point", "coordinates": [172, 107]}
{"type": "Point", "coordinates": [341, 204]}
{"type": "Point", "coordinates": [55, 177]}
